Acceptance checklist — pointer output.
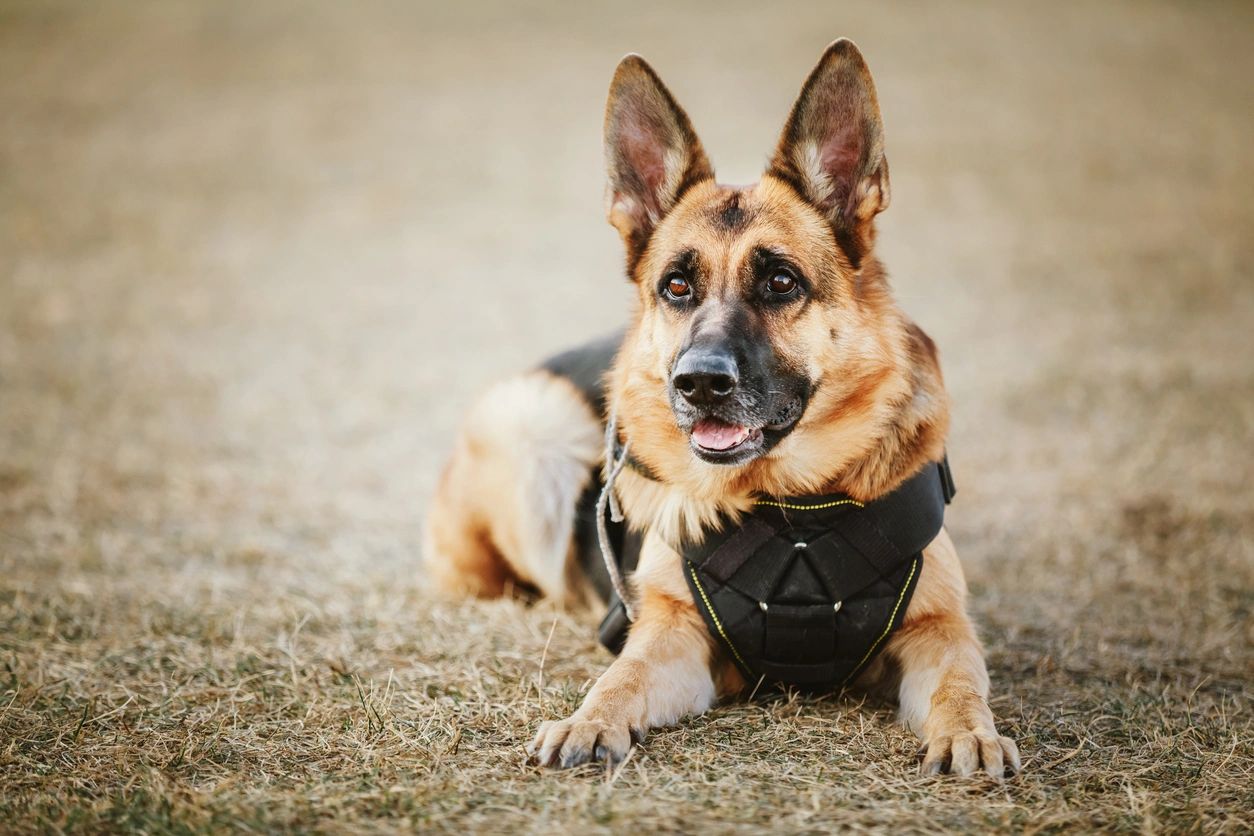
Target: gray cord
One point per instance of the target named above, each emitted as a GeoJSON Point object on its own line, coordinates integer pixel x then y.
{"type": "Point", "coordinates": [607, 500]}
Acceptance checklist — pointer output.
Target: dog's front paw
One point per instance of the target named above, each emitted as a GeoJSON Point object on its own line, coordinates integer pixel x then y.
{"type": "Point", "coordinates": [967, 751]}
{"type": "Point", "coordinates": [567, 743]}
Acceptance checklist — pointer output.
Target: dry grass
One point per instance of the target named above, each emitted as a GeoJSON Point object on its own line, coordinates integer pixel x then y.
{"type": "Point", "coordinates": [243, 247]}
{"type": "Point", "coordinates": [356, 707]}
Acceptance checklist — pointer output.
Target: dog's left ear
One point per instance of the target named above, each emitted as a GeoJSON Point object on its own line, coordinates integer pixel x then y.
{"type": "Point", "coordinates": [652, 154]}
{"type": "Point", "coordinates": [832, 147]}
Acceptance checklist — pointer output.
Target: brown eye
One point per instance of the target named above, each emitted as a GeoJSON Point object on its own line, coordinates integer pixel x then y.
{"type": "Point", "coordinates": [781, 283]}
{"type": "Point", "coordinates": [677, 286]}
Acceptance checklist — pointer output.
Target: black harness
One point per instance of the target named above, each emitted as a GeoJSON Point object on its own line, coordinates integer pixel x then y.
{"type": "Point", "coordinates": [805, 591]}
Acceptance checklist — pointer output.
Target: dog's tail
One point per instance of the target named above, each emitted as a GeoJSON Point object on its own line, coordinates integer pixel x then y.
{"type": "Point", "coordinates": [504, 511]}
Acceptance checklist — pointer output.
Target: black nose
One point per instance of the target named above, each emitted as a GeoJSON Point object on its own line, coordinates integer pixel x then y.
{"type": "Point", "coordinates": [705, 377]}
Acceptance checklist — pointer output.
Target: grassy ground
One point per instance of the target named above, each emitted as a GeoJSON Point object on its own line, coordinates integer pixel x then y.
{"type": "Point", "coordinates": [255, 258]}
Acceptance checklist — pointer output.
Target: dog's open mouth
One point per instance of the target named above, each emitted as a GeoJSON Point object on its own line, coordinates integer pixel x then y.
{"type": "Point", "coordinates": [719, 441]}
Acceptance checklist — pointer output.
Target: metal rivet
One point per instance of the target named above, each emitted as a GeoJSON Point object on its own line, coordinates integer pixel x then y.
{"type": "Point", "coordinates": [762, 606]}
{"type": "Point", "coordinates": [836, 608]}
{"type": "Point", "coordinates": [798, 546]}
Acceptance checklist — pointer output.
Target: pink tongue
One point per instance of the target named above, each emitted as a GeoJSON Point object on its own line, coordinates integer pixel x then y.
{"type": "Point", "coordinates": [715, 435]}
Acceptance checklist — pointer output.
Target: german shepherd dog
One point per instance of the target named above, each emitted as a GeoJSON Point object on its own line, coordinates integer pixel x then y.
{"type": "Point", "coordinates": [765, 356]}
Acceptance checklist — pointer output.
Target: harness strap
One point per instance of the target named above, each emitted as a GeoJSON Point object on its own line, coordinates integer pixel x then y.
{"type": "Point", "coordinates": [731, 554]}
{"type": "Point", "coordinates": [947, 480]}
{"type": "Point", "coordinates": [608, 502]}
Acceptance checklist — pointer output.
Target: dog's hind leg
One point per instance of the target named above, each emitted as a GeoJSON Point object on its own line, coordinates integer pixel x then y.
{"type": "Point", "coordinates": [504, 511]}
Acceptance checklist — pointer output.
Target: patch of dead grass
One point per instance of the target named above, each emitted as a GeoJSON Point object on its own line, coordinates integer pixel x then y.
{"type": "Point", "coordinates": [364, 708]}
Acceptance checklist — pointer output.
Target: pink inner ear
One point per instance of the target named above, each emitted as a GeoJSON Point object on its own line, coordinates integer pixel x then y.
{"type": "Point", "coordinates": [841, 155]}
{"type": "Point", "coordinates": [644, 157]}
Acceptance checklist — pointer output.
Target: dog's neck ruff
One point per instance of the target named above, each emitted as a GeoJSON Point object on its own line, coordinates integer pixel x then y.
{"type": "Point", "coordinates": [805, 590]}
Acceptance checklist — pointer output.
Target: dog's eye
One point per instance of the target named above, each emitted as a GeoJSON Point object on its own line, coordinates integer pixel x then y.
{"type": "Point", "coordinates": [677, 286]}
{"type": "Point", "coordinates": [781, 283]}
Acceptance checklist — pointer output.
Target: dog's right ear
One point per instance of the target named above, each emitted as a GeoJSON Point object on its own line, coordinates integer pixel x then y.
{"type": "Point", "coordinates": [652, 154]}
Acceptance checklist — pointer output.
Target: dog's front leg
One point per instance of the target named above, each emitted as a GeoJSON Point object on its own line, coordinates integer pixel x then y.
{"type": "Point", "coordinates": [944, 684]}
{"type": "Point", "coordinates": [663, 673]}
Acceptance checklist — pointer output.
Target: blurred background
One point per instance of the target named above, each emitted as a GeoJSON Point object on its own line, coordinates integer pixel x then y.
{"type": "Point", "coordinates": [255, 259]}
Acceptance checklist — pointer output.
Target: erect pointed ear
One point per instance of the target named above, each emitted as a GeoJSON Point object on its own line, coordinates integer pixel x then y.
{"type": "Point", "coordinates": [652, 154]}
{"type": "Point", "coordinates": [832, 147]}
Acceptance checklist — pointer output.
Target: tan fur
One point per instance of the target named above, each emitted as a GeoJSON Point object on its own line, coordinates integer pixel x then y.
{"type": "Point", "coordinates": [503, 514]}
{"type": "Point", "coordinates": [877, 412]}
{"type": "Point", "coordinates": [880, 410]}
{"type": "Point", "coordinates": [943, 693]}
{"type": "Point", "coordinates": [666, 671]}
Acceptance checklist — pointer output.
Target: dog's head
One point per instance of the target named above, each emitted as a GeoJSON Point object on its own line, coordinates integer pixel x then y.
{"type": "Point", "coordinates": [762, 312]}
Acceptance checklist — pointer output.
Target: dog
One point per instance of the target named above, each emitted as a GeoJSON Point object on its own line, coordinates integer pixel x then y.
{"type": "Point", "coordinates": [765, 358]}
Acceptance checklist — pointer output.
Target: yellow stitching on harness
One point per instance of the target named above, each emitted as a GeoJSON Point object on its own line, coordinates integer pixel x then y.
{"type": "Point", "coordinates": [714, 616]}
{"type": "Point", "coordinates": [889, 627]}
{"type": "Point", "coordinates": [791, 507]}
